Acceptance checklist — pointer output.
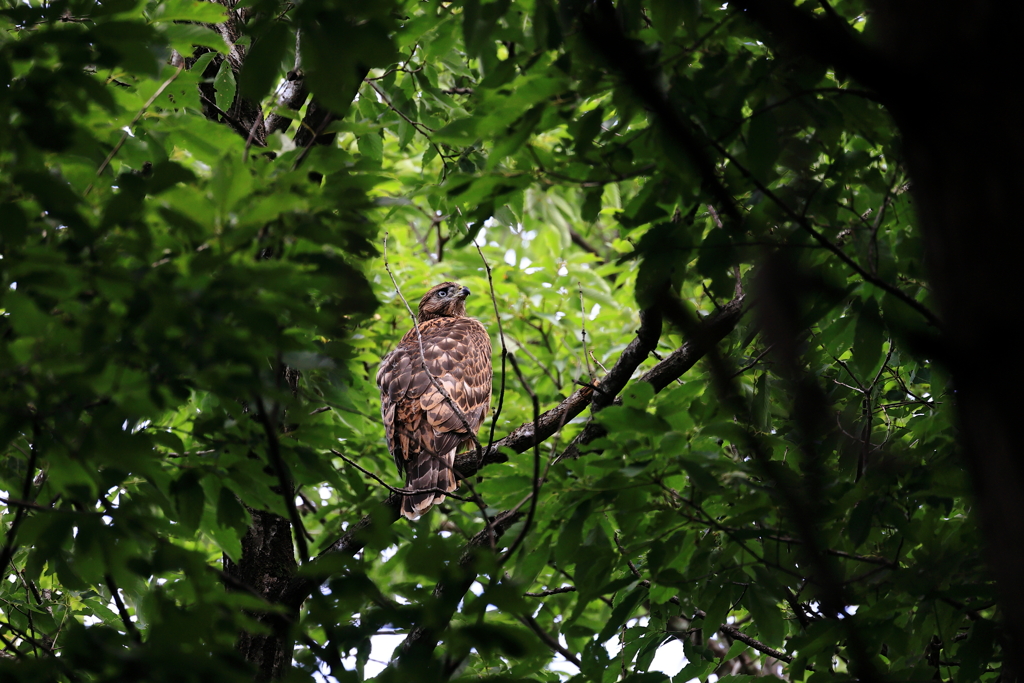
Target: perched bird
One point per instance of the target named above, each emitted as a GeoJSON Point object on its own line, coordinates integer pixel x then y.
{"type": "Point", "coordinates": [423, 430]}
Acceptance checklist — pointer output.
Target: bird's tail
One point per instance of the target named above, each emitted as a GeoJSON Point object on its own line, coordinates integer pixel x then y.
{"type": "Point", "coordinates": [426, 479]}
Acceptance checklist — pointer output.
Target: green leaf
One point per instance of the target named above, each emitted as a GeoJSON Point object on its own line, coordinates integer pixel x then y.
{"type": "Point", "coordinates": [860, 522]}
{"type": "Point", "coordinates": [225, 86]}
{"type": "Point", "coordinates": [371, 146]}
{"type": "Point", "coordinates": [189, 10]}
{"type": "Point", "coordinates": [976, 651]}
{"type": "Point", "coordinates": [645, 677]}
{"type": "Point", "coordinates": [621, 613]}
{"type": "Point", "coordinates": [637, 395]}
{"type": "Point", "coordinates": [188, 500]}
{"type": "Point", "coordinates": [262, 67]}
{"type": "Point", "coordinates": [767, 615]}
{"type": "Point", "coordinates": [666, 15]}
{"type": "Point", "coordinates": [336, 53]}
{"type": "Point", "coordinates": [569, 539]}
{"type": "Point", "coordinates": [762, 145]}
{"type": "Point", "coordinates": [867, 341]}
{"type": "Point", "coordinates": [717, 610]}
{"type": "Point", "coordinates": [230, 513]}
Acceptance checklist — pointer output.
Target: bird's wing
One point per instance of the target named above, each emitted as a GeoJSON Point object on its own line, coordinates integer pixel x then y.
{"type": "Point", "coordinates": [398, 409]}
{"type": "Point", "coordinates": [461, 363]}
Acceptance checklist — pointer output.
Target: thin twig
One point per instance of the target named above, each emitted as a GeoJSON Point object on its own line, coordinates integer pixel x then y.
{"type": "Point", "coordinates": [583, 328]}
{"type": "Point", "coordinates": [124, 135]}
{"type": "Point", "coordinates": [529, 354]}
{"type": "Point", "coordinates": [504, 348]}
{"type": "Point", "coordinates": [256, 122]}
{"type": "Point", "coordinates": [284, 481]}
{"type": "Point", "coordinates": [735, 633]}
{"type": "Point", "coordinates": [419, 127]}
{"type": "Point", "coordinates": [129, 625]}
{"type": "Point", "coordinates": [29, 585]}
{"type": "Point", "coordinates": [235, 123]}
{"type": "Point", "coordinates": [26, 490]}
{"type": "Point", "coordinates": [552, 591]}
{"type": "Point", "coordinates": [397, 491]}
{"type": "Point", "coordinates": [536, 464]}
{"type": "Point", "coordinates": [551, 642]}
{"type": "Point", "coordinates": [753, 362]}
{"type": "Point", "coordinates": [629, 562]}
{"type": "Point", "coordinates": [401, 69]}
{"type": "Point", "coordinates": [805, 224]}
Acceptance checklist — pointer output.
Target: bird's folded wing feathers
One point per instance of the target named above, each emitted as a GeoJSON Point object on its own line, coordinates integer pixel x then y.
{"type": "Point", "coordinates": [458, 355]}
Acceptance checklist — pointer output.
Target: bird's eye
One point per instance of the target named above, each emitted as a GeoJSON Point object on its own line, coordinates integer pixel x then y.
{"type": "Point", "coordinates": [443, 293]}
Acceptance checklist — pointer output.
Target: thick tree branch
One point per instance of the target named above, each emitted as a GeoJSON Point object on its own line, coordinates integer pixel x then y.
{"type": "Point", "coordinates": [292, 94]}
{"type": "Point", "coordinates": [711, 330]}
{"type": "Point", "coordinates": [633, 355]}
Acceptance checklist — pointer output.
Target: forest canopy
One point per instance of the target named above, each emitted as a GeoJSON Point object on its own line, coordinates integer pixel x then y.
{"type": "Point", "coordinates": [743, 420]}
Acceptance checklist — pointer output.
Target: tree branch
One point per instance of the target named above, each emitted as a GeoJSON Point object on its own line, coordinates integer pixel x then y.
{"type": "Point", "coordinates": [550, 641]}
{"type": "Point", "coordinates": [739, 635]}
{"type": "Point", "coordinates": [709, 332]}
{"type": "Point", "coordinates": [284, 481]}
{"type": "Point", "coordinates": [552, 591]}
{"type": "Point", "coordinates": [129, 625]}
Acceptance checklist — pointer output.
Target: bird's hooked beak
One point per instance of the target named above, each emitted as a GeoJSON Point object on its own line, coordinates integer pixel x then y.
{"type": "Point", "coordinates": [464, 293]}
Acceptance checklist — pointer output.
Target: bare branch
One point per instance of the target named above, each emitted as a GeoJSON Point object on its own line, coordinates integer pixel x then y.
{"type": "Point", "coordinates": [398, 491]}
{"type": "Point", "coordinates": [129, 625]}
{"type": "Point", "coordinates": [735, 633]}
{"type": "Point", "coordinates": [552, 591]}
{"type": "Point", "coordinates": [710, 331]}
{"type": "Point", "coordinates": [551, 642]}
{"type": "Point", "coordinates": [124, 135]}
{"type": "Point", "coordinates": [536, 464]}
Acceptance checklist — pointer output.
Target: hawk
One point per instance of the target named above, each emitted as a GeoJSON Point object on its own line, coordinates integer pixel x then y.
{"type": "Point", "coordinates": [423, 431]}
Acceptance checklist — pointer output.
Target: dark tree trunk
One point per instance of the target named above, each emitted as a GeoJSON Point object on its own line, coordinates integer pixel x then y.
{"type": "Point", "coordinates": [949, 74]}
{"type": "Point", "coordinates": [267, 564]}
{"type": "Point", "coordinates": [964, 141]}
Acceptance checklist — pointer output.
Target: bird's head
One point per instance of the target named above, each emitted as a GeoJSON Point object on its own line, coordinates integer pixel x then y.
{"type": "Point", "coordinates": [447, 299]}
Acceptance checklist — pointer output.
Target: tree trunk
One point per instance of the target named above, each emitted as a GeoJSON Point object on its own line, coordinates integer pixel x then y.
{"type": "Point", "coordinates": [961, 120]}
{"type": "Point", "coordinates": [267, 564]}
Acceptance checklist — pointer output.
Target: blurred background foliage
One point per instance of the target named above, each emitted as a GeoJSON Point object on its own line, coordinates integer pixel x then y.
{"type": "Point", "coordinates": [194, 301]}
